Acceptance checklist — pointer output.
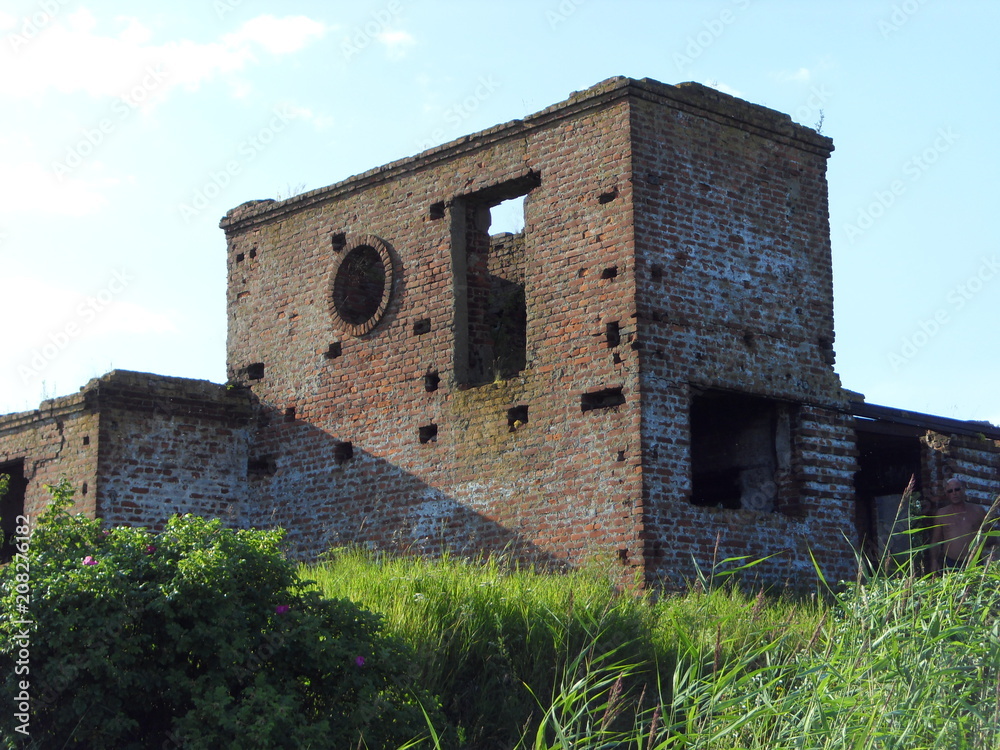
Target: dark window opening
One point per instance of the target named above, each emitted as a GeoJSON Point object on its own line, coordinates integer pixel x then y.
{"type": "Point", "coordinates": [290, 414]}
{"type": "Point", "coordinates": [420, 327]}
{"type": "Point", "coordinates": [431, 381]}
{"type": "Point", "coordinates": [741, 452]}
{"type": "Point", "coordinates": [254, 371]}
{"type": "Point", "coordinates": [253, 251]}
{"type": "Point", "coordinates": [11, 506]}
{"type": "Point", "coordinates": [335, 350]}
{"type": "Point", "coordinates": [612, 334]}
{"type": "Point", "coordinates": [603, 399]}
{"type": "Point", "coordinates": [489, 258]}
{"type": "Point", "coordinates": [609, 273]}
{"type": "Point", "coordinates": [86, 439]}
{"type": "Point", "coordinates": [517, 416]}
{"type": "Point", "coordinates": [343, 452]}
{"type": "Point", "coordinates": [338, 242]}
{"type": "Point", "coordinates": [239, 257]}
{"type": "Point", "coordinates": [888, 456]}
{"type": "Point", "coordinates": [429, 433]}
{"type": "Point", "coordinates": [656, 273]}
{"type": "Point", "coordinates": [607, 196]}
{"type": "Point", "coordinates": [437, 210]}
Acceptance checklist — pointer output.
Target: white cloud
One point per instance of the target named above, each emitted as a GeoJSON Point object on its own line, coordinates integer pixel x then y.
{"type": "Point", "coordinates": [63, 317]}
{"type": "Point", "coordinates": [70, 54]}
{"type": "Point", "coordinates": [30, 187]}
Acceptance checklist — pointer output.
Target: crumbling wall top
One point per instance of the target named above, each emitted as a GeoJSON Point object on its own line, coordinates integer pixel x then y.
{"type": "Point", "coordinates": [693, 98]}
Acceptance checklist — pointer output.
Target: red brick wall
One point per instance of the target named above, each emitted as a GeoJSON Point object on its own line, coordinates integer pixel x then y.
{"type": "Point", "coordinates": [563, 485]}
{"type": "Point", "coordinates": [168, 446]}
{"type": "Point", "coordinates": [735, 293]}
{"type": "Point", "coordinates": [59, 439]}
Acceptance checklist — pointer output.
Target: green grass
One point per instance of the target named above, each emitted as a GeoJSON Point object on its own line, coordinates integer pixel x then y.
{"type": "Point", "coordinates": [531, 660]}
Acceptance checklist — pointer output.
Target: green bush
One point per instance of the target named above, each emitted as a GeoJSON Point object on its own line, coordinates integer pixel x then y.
{"type": "Point", "coordinates": [197, 636]}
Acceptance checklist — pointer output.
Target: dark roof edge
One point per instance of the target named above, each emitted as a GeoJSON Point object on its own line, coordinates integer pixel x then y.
{"type": "Point", "coordinates": [943, 425]}
{"type": "Point", "coordinates": [692, 97]}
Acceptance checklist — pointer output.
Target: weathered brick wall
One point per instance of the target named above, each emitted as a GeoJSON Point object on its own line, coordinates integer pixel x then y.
{"type": "Point", "coordinates": [59, 439]}
{"type": "Point", "coordinates": [735, 293]}
{"type": "Point", "coordinates": [168, 446]}
{"type": "Point", "coordinates": [516, 463]}
{"type": "Point", "coordinates": [975, 460]}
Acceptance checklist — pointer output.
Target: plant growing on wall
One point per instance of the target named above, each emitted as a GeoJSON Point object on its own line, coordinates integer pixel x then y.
{"type": "Point", "coordinates": [197, 636]}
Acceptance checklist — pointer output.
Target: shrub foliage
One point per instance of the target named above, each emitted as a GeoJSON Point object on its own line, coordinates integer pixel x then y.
{"type": "Point", "coordinates": [197, 636]}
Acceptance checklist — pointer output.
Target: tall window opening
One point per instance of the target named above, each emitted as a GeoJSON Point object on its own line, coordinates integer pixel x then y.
{"type": "Point", "coordinates": [741, 451]}
{"type": "Point", "coordinates": [488, 254]}
{"type": "Point", "coordinates": [11, 506]}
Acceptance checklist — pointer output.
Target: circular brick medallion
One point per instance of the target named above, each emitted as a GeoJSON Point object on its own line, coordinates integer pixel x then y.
{"type": "Point", "coordinates": [361, 285]}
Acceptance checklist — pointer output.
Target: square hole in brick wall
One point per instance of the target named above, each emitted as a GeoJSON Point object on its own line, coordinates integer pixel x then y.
{"type": "Point", "coordinates": [422, 326]}
{"type": "Point", "coordinates": [437, 210]}
{"type": "Point", "coordinates": [259, 467]}
{"type": "Point", "coordinates": [739, 443]}
{"type": "Point", "coordinates": [343, 452]}
{"type": "Point", "coordinates": [338, 241]}
{"type": "Point", "coordinates": [517, 416]}
{"type": "Point", "coordinates": [334, 351]}
{"type": "Point", "coordinates": [428, 433]}
{"type": "Point", "coordinates": [609, 273]}
{"type": "Point", "coordinates": [254, 371]}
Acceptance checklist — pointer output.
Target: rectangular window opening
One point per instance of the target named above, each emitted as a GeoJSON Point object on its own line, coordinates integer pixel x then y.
{"type": "Point", "coordinates": [11, 506]}
{"type": "Point", "coordinates": [740, 450]}
{"type": "Point", "coordinates": [489, 258]}
{"type": "Point", "coordinates": [603, 399]}
{"type": "Point", "coordinates": [429, 433]}
{"type": "Point", "coordinates": [431, 381]}
{"type": "Point", "coordinates": [612, 334]}
{"type": "Point", "coordinates": [338, 241]}
{"type": "Point", "coordinates": [334, 351]}
{"type": "Point", "coordinates": [420, 327]}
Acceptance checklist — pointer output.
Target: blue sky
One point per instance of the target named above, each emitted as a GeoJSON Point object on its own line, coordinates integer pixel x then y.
{"type": "Point", "coordinates": [128, 130]}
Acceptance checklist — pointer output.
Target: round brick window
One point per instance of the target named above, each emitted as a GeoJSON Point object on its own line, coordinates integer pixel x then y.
{"type": "Point", "coordinates": [361, 285]}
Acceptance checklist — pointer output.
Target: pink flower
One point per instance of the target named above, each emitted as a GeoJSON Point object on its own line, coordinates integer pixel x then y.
{"type": "Point", "coordinates": [359, 661]}
{"type": "Point", "coordinates": [281, 609]}
{"type": "Point", "coordinates": [151, 548]}
{"type": "Point", "coordinates": [88, 560]}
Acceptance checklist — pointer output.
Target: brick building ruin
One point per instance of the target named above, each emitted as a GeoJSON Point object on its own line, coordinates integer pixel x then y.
{"type": "Point", "coordinates": [644, 374]}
